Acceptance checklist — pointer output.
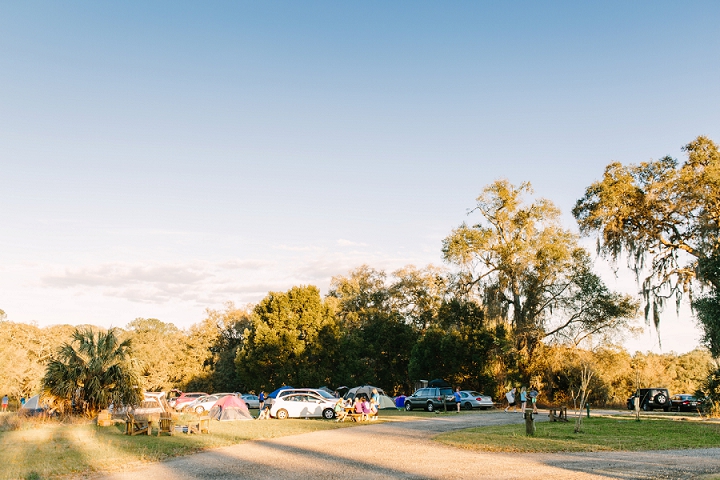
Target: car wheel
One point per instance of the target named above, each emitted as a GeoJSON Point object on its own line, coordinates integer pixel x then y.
{"type": "Point", "coordinates": [408, 406]}
{"type": "Point", "coordinates": [430, 407]}
{"type": "Point", "coordinates": [660, 399]}
{"type": "Point", "coordinates": [646, 407]}
{"type": "Point", "coordinates": [199, 410]}
{"type": "Point", "coordinates": [467, 406]}
{"type": "Point", "coordinates": [328, 414]}
{"type": "Point", "coordinates": [281, 414]}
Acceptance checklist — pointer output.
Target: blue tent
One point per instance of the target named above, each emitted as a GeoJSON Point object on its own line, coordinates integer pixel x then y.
{"type": "Point", "coordinates": [274, 394]}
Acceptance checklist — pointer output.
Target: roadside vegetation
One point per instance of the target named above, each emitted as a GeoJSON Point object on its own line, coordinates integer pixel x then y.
{"type": "Point", "coordinates": [599, 434]}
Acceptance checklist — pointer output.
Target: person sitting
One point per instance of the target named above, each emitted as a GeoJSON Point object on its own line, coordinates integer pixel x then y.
{"type": "Point", "coordinates": [373, 411]}
{"type": "Point", "coordinates": [264, 414]}
{"type": "Point", "coordinates": [366, 409]}
{"type": "Point", "coordinates": [340, 413]}
{"type": "Point", "coordinates": [358, 408]}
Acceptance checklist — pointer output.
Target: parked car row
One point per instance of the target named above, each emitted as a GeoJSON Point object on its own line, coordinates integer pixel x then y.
{"type": "Point", "coordinates": [291, 402]}
{"type": "Point", "coordinates": [200, 402]}
{"type": "Point", "coordinates": [659, 398]}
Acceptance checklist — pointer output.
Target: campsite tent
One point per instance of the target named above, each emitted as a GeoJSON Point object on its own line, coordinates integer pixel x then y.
{"type": "Point", "coordinates": [366, 391]}
{"type": "Point", "coordinates": [32, 406]}
{"type": "Point", "coordinates": [230, 407]}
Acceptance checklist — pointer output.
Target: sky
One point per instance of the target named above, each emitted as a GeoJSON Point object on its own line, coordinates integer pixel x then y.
{"type": "Point", "coordinates": [161, 158]}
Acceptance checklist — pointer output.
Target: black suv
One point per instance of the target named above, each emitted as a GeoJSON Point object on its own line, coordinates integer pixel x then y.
{"type": "Point", "coordinates": [650, 399]}
{"type": "Point", "coordinates": [431, 399]}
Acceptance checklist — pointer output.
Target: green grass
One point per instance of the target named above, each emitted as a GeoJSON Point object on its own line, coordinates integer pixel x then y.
{"type": "Point", "coordinates": [599, 433]}
{"type": "Point", "coordinates": [41, 450]}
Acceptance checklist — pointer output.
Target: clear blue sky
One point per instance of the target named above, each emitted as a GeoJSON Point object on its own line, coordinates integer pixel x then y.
{"type": "Point", "coordinates": [159, 158]}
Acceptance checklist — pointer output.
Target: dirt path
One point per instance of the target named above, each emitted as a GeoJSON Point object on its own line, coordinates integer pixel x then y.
{"type": "Point", "coordinates": [404, 449]}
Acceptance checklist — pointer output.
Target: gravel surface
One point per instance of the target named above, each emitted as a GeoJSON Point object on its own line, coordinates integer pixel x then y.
{"type": "Point", "coordinates": [404, 449]}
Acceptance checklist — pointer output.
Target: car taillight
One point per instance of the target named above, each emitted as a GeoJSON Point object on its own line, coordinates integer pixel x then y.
{"type": "Point", "coordinates": [479, 399]}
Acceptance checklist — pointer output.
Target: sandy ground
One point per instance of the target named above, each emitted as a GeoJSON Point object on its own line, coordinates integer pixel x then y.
{"type": "Point", "coordinates": [404, 449]}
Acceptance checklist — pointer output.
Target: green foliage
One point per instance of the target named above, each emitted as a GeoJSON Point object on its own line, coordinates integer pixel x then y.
{"type": "Point", "coordinates": [523, 267]}
{"type": "Point", "coordinates": [379, 324]}
{"type": "Point", "coordinates": [291, 333]}
{"type": "Point", "coordinates": [707, 311]}
{"type": "Point", "coordinates": [154, 350]}
{"type": "Point", "coordinates": [711, 390]}
{"type": "Point", "coordinates": [26, 350]}
{"type": "Point", "coordinates": [664, 215]}
{"type": "Point", "coordinates": [616, 372]}
{"type": "Point", "coordinates": [463, 350]}
{"type": "Point", "coordinates": [91, 372]}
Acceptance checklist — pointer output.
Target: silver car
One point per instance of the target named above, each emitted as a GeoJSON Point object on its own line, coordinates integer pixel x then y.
{"type": "Point", "coordinates": [470, 399]}
{"type": "Point", "coordinates": [252, 400]}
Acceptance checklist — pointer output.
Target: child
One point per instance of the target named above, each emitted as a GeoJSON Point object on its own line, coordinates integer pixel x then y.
{"type": "Point", "coordinates": [366, 409]}
{"type": "Point", "coordinates": [510, 398]}
{"type": "Point", "coordinates": [340, 413]}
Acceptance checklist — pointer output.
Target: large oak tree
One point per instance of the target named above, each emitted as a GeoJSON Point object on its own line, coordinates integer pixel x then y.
{"type": "Point", "coordinates": [526, 269]}
{"type": "Point", "coordinates": [664, 215]}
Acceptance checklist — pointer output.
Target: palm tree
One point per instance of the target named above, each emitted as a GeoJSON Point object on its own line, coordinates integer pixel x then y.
{"type": "Point", "coordinates": [91, 372]}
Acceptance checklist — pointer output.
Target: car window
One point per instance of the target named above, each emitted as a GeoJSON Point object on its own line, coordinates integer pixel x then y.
{"type": "Point", "coordinates": [475, 394]}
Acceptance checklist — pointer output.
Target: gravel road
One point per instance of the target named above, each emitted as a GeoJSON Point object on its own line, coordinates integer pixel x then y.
{"type": "Point", "coordinates": [404, 449]}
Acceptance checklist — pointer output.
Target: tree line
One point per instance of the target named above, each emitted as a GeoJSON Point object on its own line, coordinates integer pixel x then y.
{"type": "Point", "coordinates": [209, 357]}
{"type": "Point", "coordinates": [518, 303]}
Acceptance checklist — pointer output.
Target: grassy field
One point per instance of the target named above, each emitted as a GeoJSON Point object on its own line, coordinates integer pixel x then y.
{"type": "Point", "coordinates": [41, 450]}
{"type": "Point", "coordinates": [599, 433]}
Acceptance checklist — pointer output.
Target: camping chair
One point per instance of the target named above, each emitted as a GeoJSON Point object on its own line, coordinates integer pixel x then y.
{"type": "Point", "coordinates": [136, 427]}
{"type": "Point", "coordinates": [202, 425]}
{"type": "Point", "coordinates": [167, 424]}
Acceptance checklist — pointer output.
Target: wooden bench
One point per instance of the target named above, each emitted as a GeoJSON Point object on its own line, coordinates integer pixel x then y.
{"type": "Point", "coordinates": [558, 414]}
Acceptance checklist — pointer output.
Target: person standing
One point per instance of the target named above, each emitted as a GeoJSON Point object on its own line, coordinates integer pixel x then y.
{"type": "Point", "coordinates": [5, 401]}
{"type": "Point", "coordinates": [458, 398]}
{"type": "Point", "coordinates": [523, 399]}
{"type": "Point", "coordinates": [261, 399]}
{"type": "Point", "coordinates": [533, 398]}
{"type": "Point", "coordinates": [375, 399]}
{"type": "Point", "coordinates": [510, 398]}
